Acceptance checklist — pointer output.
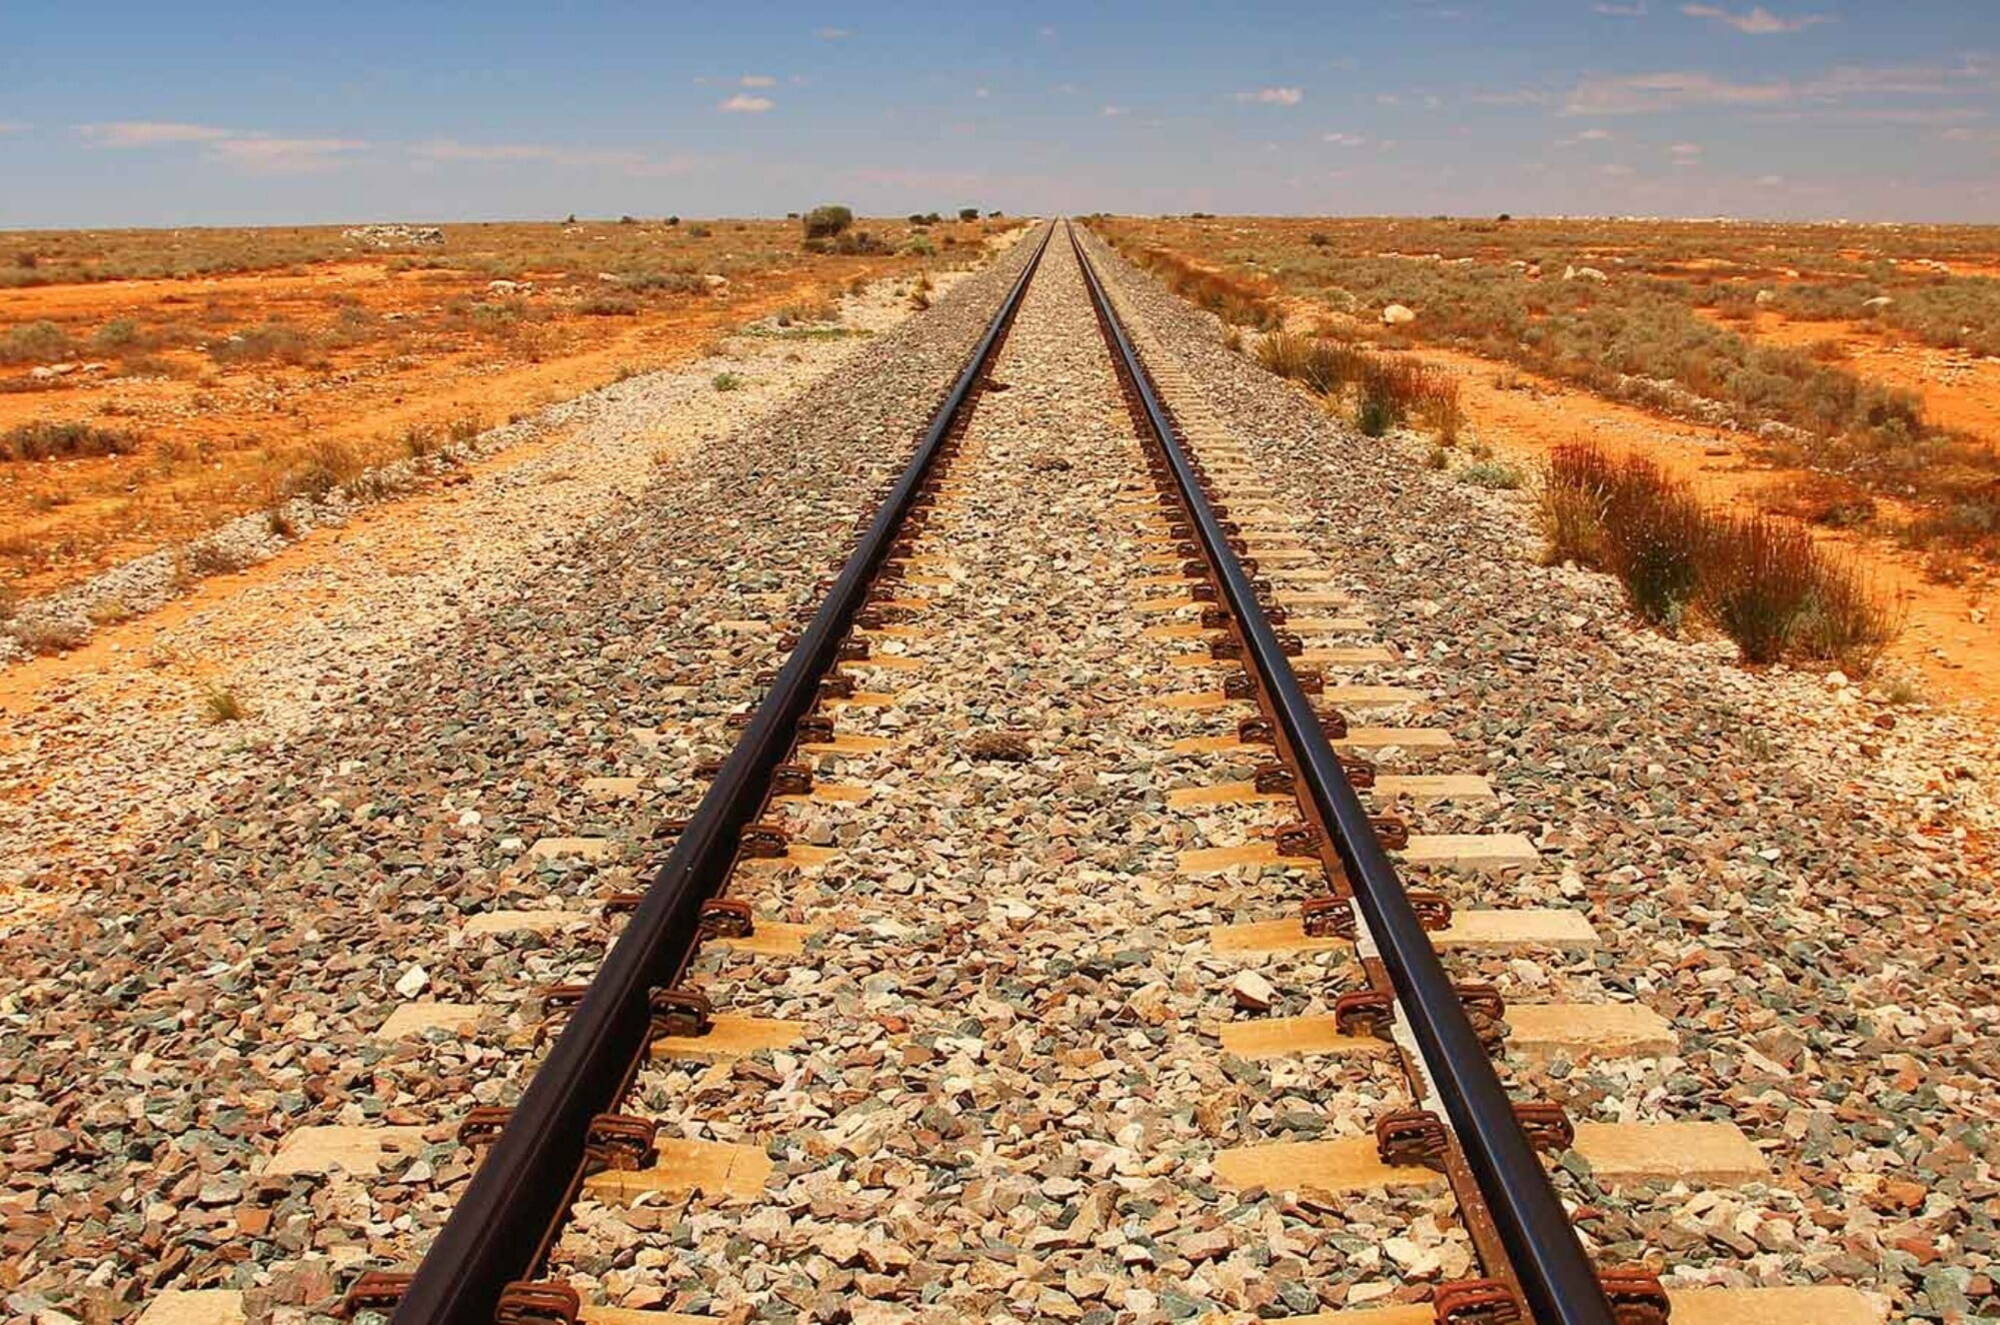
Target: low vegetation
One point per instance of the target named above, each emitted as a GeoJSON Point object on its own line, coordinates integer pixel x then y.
{"type": "Point", "coordinates": [64, 441]}
{"type": "Point", "coordinates": [1640, 313]}
{"type": "Point", "coordinates": [222, 389]}
{"type": "Point", "coordinates": [1382, 391]}
{"type": "Point", "coordinates": [1761, 580]}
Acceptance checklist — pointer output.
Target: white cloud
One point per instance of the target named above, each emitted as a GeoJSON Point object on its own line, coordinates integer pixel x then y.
{"type": "Point", "coordinates": [757, 80]}
{"type": "Point", "coordinates": [12, 126]}
{"type": "Point", "coordinates": [1116, 110]}
{"type": "Point", "coordinates": [1615, 168]}
{"type": "Point", "coordinates": [1686, 154]}
{"type": "Point", "coordinates": [742, 103]}
{"type": "Point", "coordinates": [251, 150]}
{"type": "Point", "coordinates": [1671, 90]}
{"type": "Point", "coordinates": [283, 156]}
{"type": "Point", "coordinates": [1757, 19]}
{"type": "Point", "coordinates": [1344, 139]}
{"type": "Point", "coordinates": [1273, 96]}
{"type": "Point", "coordinates": [833, 34]}
{"type": "Point", "coordinates": [1771, 181]}
{"type": "Point", "coordinates": [982, 92]}
{"type": "Point", "coordinates": [150, 133]}
{"type": "Point", "coordinates": [1622, 11]}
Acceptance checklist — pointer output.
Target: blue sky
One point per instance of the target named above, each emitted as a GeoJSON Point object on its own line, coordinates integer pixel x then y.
{"type": "Point", "coordinates": [122, 113]}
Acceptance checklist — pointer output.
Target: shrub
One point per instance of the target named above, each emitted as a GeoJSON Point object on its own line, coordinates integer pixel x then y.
{"type": "Point", "coordinates": [727, 382]}
{"type": "Point", "coordinates": [34, 342]}
{"type": "Point", "coordinates": [1761, 580]}
{"type": "Point", "coordinates": [1489, 474]}
{"type": "Point", "coordinates": [45, 440]}
{"type": "Point", "coordinates": [325, 465]}
{"type": "Point", "coordinates": [968, 213]}
{"type": "Point", "coordinates": [609, 305]}
{"type": "Point", "coordinates": [827, 221]}
{"type": "Point", "coordinates": [272, 342]}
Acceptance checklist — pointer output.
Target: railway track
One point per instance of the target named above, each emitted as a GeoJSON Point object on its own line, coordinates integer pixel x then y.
{"type": "Point", "coordinates": [1061, 940]}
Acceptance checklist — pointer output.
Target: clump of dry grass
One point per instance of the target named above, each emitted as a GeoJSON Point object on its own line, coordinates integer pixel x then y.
{"type": "Point", "coordinates": [48, 440]}
{"type": "Point", "coordinates": [1762, 581]}
{"type": "Point", "coordinates": [1236, 301]}
{"type": "Point", "coordinates": [1388, 390]}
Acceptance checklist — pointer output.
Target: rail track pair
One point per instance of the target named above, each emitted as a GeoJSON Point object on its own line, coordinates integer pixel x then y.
{"type": "Point", "coordinates": [484, 1262]}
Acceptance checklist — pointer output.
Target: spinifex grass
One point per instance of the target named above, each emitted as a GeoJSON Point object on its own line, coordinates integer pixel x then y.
{"type": "Point", "coordinates": [1761, 581]}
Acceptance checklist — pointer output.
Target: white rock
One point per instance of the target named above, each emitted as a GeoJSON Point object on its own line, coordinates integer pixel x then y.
{"type": "Point", "coordinates": [1397, 314]}
{"type": "Point", "coordinates": [1253, 992]}
{"type": "Point", "coordinates": [413, 982]}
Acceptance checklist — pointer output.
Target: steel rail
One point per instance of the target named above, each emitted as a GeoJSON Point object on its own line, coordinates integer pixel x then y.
{"type": "Point", "coordinates": [507, 1218]}
{"type": "Point", "coordinates": [1556, 1276]}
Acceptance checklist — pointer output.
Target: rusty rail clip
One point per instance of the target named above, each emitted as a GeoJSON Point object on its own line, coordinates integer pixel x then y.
{"type": "Point", "coordinates": [619, 1141]}
{"type": "Point", "coordinates": [1297, 839]}
{"type": "Point", "coordinates": [1238, 685]}
{"type": "Point", "coordinates": [836, 685]}
{"type": "Point", "coordinates": [1485, 1009]}
{"type": "Point", "coordinates": [763, 840]}
{"type": "Point", "coordinates": [1412, 1138]}
{"type": "Point", "coordinates": [1477, 1302]}
{"type": "Point", "coordinates": [1364, 1014]}
{"type": "Point", "coordinates": [1636, 1296]}
{"type": "Point", "coordinates": [707, 768]}
{"type": "Point", "coordinates": [556, 998]}
{"type": "Point", "coordinates": [789, 779]}
{"type": "Point", "coordinates": [1392, 832]}
{"type": "Point", "coordinates": [678, 1014]}
{"type": "Point", "coordinates": [1256, 731]}
{"type": "Point", "coordinates": [1274, 779]}
{"type": "Point", "coordinates": [1360, 772]}
{"type": "Point", "coordinates": [537, 1303]}
{"type": "Point", "coordinates": [1215, 618]}
{"type": "Point", "coordinates": [727, 918]}
{"type": "Point", "coordinates": [1327, 917]}
{"type": "Point", "coordinates": [622, 901]}
{"type": "Point", "coordinates": [1433, 909]}
{"type": "Point", "coordinates": [1333, 723]}
{"type": "Point", "coordinates": [854, 648]}
{"type": "Point", "coordinates": [1227, 648]}
{"type": "Point", "coordinates": [482, 1126]}
{"type": "Point", "coordinates": [814, 729]}
{"type": "Point", "coordinates": [1547, 1127]}
{"type": "Point", "coordinates": [374, 1290]}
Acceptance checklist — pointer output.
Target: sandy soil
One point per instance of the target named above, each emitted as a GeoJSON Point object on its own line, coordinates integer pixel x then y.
{"type": "Point", "coordinates": [392, 351]}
